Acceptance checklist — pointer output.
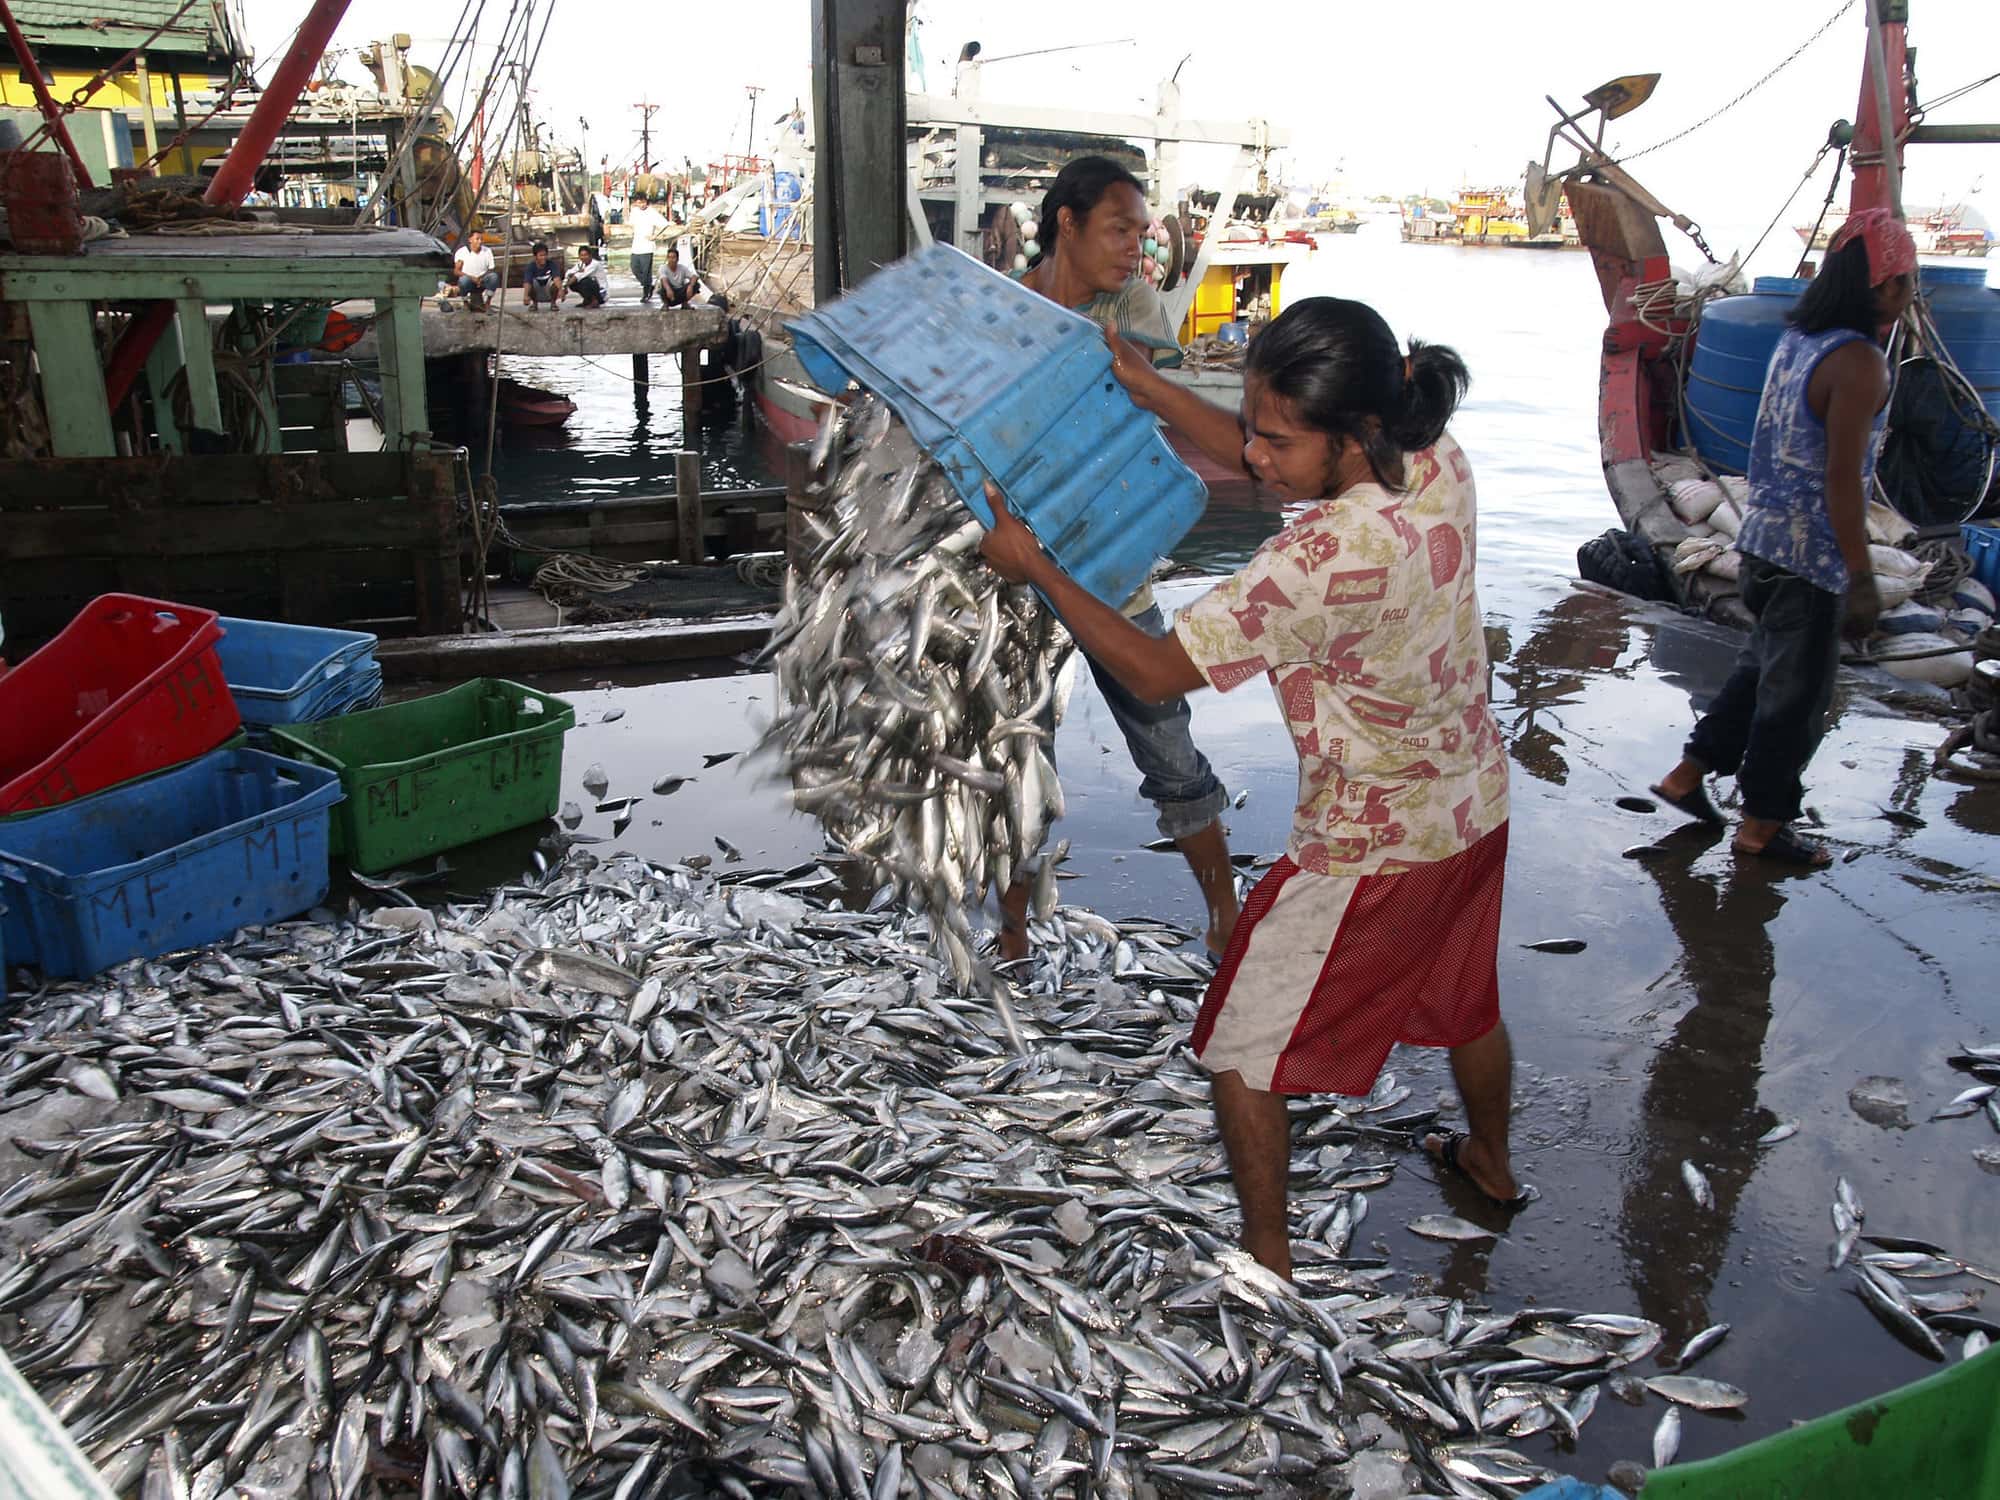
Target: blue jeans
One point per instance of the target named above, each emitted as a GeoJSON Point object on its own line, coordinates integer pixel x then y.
{"type": "Point", "coordinates": [1769, 717]}
{"type": "Point", "coordinates": [490, 282]}
{"type": "Point", "coordinates": [1174, 775]}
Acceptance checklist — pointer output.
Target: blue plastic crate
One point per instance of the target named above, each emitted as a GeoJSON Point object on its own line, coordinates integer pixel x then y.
{"type": "Point", "coordinates": [994, 379]}
{"type": "Point", "coordinates": [1982, 545]}
{"type": "Point", "coordinates": [279, 673]}
{"type": "Point", "coordinates": [186, 857]}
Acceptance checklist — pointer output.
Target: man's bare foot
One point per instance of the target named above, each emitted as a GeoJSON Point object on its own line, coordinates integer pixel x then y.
{"type": "Point", "coordinates": [1014, 922]}
{"type": "Point", "coordinates": [1776, 841]}
{"type": "Point", "coordinates": [1490, 1172]}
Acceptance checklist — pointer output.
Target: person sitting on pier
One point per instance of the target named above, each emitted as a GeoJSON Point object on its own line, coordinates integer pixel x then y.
{"type": "Point", "coordinates": [542, 281]}
{"type": "Point", "coordinates": [587, 279]}
{"type": "Point", "coordinates": [473, 265]}
{"type": "Point", "coordinates": [678, 282]}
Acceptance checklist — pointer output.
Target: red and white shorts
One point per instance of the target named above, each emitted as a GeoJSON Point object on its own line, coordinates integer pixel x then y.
{"type": "Point", "coordinates": [1325, 973]}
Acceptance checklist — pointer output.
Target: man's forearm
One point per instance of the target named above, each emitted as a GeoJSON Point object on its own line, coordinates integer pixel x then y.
{"type": "Point", "coordinates": [1135, 658]}
{"type": "Point", "coordinates": [1847, 509]}
{"type": "Point", "coordinates": [1211, 428]}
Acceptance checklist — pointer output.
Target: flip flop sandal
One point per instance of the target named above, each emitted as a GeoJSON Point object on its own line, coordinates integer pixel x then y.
{"type": "Point", "coordinates": [1448, 1143]}
{"type": "Point", "coordinates": [1695, 804]}
{"type": "Point", "coordinates": [1787, 848]}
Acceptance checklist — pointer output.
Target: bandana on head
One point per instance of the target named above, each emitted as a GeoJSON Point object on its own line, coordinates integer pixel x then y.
{"type": "Point", "coordinates": [1891, 251]}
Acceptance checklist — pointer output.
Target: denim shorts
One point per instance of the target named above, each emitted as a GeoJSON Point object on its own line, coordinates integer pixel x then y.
{"type": "Point", "coordinates": [1174, 775]}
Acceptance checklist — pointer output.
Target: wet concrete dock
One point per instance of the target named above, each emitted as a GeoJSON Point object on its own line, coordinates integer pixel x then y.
{"type": "Point", "coordinates": [1716, 997]}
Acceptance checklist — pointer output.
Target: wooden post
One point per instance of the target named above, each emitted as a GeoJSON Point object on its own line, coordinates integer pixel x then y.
{"type": "Point", "coordinates": [687, 508]}
{"type": "Point", "coordinates": [739, 529]}
{"type": "Point", "coordinates": [198, 359]}
{"type": "Point", "coordinates": [690, 393]}
{"type": "Point", "coordinates": [642, 375]}
{"type": "Point", "coordinates": [399, 343]}
{"type": "Point", "coordinates": [799, 506]}
{"type": "Point", "coordinates": [72, 384]}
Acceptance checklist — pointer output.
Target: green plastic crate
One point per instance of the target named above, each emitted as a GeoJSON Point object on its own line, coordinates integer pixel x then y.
{"type": "Point", "coordinates": [437, 772]}
{"type": "Point", "coordinates": [1935, 1439]}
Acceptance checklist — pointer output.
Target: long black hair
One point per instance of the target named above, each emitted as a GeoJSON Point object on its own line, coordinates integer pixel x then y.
{"type": "Point", "coordinates": [1079, 187]}
{"type": "Point", "coordinates": [1337, 364]}
{"type": "Point", "coordinates": [1840, 296]}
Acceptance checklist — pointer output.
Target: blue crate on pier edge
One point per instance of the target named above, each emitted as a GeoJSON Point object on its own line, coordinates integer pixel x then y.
{"type": "Point", "coordinates": [994, 379]}
{"type": "Point", "coordinates": [227, 840]}
{"type": "Point", "coordinates": [297, 674]}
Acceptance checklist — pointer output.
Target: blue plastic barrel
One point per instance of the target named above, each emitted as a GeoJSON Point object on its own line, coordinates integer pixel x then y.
{"type": "Point", "coordinates": [1732, 350]}
{"type": "Point", "coordinates": [1967, 313]}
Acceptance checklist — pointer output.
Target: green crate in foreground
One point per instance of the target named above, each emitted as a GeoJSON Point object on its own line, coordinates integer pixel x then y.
{"type": "Point", "coordinates": [437, 772]}
{"type": "Point", "coordinates": [1935, 1439]}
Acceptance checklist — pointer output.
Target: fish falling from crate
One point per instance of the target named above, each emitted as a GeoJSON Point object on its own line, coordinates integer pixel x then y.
{"type": "Point", "coordinates": [916, 687]}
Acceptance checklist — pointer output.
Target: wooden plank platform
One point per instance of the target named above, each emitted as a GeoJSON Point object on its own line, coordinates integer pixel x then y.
{"type": "Point", "coordinates": [627, 328]}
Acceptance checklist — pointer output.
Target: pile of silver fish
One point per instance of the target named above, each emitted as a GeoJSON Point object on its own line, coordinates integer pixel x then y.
{"type": "Point", "coordinates": [911, 680]}
{"type": "Point", "coordinates": [627, 1181]}
{"type": "Point", "coordinates": [1946, 1303]}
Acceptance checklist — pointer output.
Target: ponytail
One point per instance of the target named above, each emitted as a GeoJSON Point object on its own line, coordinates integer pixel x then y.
{"type": "Point", "coordinates": [1435, 380]}
{"type": "Point", "coordinates": [1335, 362]}
{"type": "Point", "coordinates": [1079, 187]}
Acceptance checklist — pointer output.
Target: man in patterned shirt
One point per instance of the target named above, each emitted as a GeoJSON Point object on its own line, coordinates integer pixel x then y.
{"type": "Point", "coordinates": [1381, 923]}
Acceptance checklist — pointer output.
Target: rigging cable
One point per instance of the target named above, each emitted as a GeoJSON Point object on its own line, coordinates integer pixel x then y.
{"type": "Point", "coordinates": [1709, 119]}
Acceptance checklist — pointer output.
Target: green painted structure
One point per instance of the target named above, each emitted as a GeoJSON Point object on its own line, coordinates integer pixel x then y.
{"type": "Point", "coordinates": [224, 479]}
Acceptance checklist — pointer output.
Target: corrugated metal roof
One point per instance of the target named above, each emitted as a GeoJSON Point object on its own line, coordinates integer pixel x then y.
{"type": "Point", "coordinates": [210, 29]}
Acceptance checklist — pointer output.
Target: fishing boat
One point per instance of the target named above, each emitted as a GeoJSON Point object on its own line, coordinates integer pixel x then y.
{"type": "Point", "coordinates": [1486, 217]}
{"type": "Point", "coordinates": [1682, 361]}
{"type": "Point", "coordinates": [522, 405]}
{"type": "Point", "coordinates": [1952, 229]}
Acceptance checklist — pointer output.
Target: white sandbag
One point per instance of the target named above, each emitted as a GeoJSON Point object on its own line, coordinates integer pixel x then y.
{"type": "Point", "coordinates": [1970, 593]}
{"type": "Point", "coordinates": [1697, 552]}
{"type": "Point", "coordinates": [1967, 622]}
{"type": "Point", "coordinates": [1693, 500]}
{"type": "Point", "coordinates": [1728, 567]}
{"type": "Point", "coordinates": [1887, 526]}
{"type": "Point", "coordinates": [1893, 562]}
{"type": "Point", "coordinates": [1898, 575]}
{"type": "Point", "coordinates": [1727, 519]}
{"type": "Point", "coordinates": [1911, 618]}
{"type": "Point", "coordinates": [1923, 658]}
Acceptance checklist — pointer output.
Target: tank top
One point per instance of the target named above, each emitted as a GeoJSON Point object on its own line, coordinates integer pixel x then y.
{"type": "Point", "coordinates": [1785, 518]}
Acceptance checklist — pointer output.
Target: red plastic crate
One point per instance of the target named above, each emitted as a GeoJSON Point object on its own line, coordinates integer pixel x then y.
{"type": "Point", "coordinates": [130, 687]}
{"type": "Point", "coordinates": [39, 191]}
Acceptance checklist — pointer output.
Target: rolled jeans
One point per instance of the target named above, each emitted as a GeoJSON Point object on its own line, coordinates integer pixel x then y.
{"type": "Point", "coordinates": [1173, 773]}
{"type": "Point", "coordinates": [642, 272]}
{"type": "Point", "coordinates": [1767, 721]}
{"type": "Point", "coordinates": [490, 282]}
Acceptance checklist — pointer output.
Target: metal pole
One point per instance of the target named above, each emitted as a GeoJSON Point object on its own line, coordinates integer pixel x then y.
{"type": "Point", "coordinates": [51, 111]}
{"type": "Point", "coordinates": [1892, 151]}
{"type": "Point", "coordinates": [274, 105]}
{"type": "Point", "coordinates": [146, 107]}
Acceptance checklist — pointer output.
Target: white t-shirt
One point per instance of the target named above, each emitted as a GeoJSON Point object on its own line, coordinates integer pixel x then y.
{"type": "Point", "coordinates": [648, 223]}
{"type": "Point", "coordinates": [591, 270]}
{"type": "Point", "coordinates": [473, 263]}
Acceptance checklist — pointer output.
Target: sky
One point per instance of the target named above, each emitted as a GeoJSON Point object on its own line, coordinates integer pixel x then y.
{"type": "Point", "coordinates": [1416, 96]}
